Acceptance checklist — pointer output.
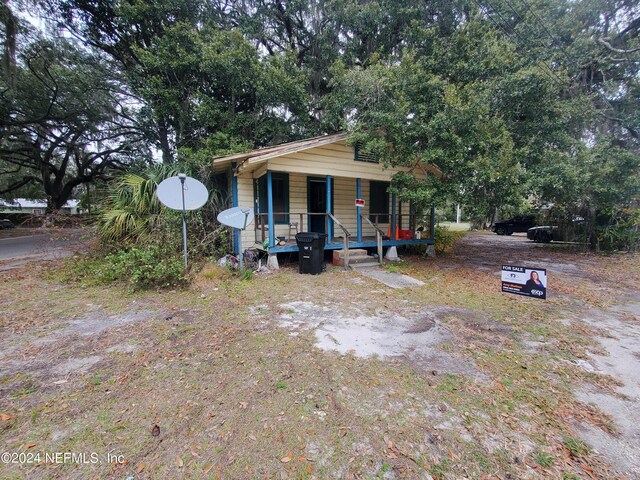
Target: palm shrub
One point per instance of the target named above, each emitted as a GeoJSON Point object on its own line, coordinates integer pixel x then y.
{"type": "Point", "coordinates": [140, 238]}
{"type": "Point", "coordinates": [132, 209]}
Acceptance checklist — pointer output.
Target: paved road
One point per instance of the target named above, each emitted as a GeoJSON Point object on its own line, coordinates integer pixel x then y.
{"type": "Point", "coordinates": [45, 246]}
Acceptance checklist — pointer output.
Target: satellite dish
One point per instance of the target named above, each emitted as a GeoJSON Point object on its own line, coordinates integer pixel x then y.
{"type": "Point", "coordinates": [236, 217]}
{"type": "Point", "coordinates": [170, 192]}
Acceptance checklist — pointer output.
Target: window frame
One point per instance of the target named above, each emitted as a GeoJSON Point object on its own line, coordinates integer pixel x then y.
{"type": "Point", "coordinates": [260, 195]}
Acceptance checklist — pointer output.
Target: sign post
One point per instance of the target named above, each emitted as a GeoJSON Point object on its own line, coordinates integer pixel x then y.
{"type": "Point", "coordinates": [193, 195]}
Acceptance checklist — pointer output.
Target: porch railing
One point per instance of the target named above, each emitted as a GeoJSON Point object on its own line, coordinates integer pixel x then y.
{"type": "Point", "coordinates": [346, 236]}
{"type": "Point", "coordinates": [296, 221]}
{"type": "Point", "coordinates": [379, 235]}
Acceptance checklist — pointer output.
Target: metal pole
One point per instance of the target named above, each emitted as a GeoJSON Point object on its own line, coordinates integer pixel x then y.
{"type": "Point", "coordinates": [182, 177]}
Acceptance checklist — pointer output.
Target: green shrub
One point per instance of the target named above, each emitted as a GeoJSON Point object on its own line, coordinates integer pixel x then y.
{"type": "Point", "coordinates": [151, 266]}
{"type": "Point", "coordinates": [623, 233]}
{"type": "Point", "coordinates": [445, 239]}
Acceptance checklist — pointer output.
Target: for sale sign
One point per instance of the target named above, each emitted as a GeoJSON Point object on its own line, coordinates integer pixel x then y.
{"type": "Point", "coordinates": [528, 281]}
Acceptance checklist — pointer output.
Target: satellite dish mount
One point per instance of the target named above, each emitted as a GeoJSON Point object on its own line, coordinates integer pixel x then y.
{"type": "Point", "coordinates": [192, 196]}
{"type": "Point", "coordinates": [238, 218]}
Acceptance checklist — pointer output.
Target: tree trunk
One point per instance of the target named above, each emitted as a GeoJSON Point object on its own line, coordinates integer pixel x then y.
{"type": "Point", "coordinates": [163, 134]}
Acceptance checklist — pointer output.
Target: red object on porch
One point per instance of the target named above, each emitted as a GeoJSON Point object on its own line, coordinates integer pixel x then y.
{"type": "Point", "coordinates": [401, 234]}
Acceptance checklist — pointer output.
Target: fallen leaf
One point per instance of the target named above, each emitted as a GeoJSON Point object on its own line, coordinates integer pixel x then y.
{"type": "Point", "coordinates": [5, 417]}
{"type": "Point", "coordinates": [179, 462]}
{"type": "Point", "coordinates": [286, 459]}
{"type": "Point", "coordinates": [208, 468]}
{"type": "Point", "coordinates": [140, 468]}
{"type": "Point", "coordinates": [28, 445]}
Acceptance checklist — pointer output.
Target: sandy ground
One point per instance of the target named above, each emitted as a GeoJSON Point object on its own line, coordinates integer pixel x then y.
{"type": "Point", "coordinates": [332, 376]}
{"type": "Point", "coordinates": [618, 328]}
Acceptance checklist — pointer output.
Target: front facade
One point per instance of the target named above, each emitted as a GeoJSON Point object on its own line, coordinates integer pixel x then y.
{"type": "Point", "coordinates": [316, 185]}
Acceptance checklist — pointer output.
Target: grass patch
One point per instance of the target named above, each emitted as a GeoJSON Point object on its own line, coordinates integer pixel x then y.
{"type": "Point", "coordinates": [576, 447]}
{"type": "Point", "coordinates": [543, 459]}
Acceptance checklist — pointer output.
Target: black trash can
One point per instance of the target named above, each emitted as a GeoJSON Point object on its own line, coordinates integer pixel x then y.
{"type": "Point", "coordinates": [311, 247]}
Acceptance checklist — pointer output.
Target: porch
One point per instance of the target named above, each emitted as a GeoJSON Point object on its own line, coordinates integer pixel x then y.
{"type": "Point", "coordinates": [326, 186]}
{"type": "Point", "coordinates": [337, 207]}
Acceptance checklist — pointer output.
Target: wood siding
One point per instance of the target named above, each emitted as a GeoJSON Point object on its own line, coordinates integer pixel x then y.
{"type": "Point", "coordinates": [337, 160]}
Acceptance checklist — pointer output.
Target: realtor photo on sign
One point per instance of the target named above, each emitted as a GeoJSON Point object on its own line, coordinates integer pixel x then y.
{"type": "Point", "coordinates": [531, 282]}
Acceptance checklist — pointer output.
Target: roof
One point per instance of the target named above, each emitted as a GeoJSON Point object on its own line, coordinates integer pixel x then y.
{"type": "Point", "coordinates": [261, 154]}
{"type": "Point", "coordinates": [33, 203]}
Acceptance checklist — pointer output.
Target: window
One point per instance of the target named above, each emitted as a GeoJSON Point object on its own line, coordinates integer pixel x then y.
{"type": "Point", "coordinates": [280, 186]}
{"type": "Point", "coordinates": [379, 201]}
{"type": "Point", "coordinates": [363, 155]}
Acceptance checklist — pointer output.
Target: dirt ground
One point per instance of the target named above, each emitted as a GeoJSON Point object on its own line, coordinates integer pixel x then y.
{"type": "Point", "coordinates": [330, 376]}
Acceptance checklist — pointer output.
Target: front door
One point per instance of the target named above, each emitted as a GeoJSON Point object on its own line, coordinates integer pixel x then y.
{"type": "Point", "coordinates": [317, 203]}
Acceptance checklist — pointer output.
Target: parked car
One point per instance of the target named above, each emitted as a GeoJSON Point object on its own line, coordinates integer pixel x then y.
{"type": "Point", "coordinates": [543, 234]}
{"type": "Point", "coordinates": [6, 223]}
{"type": "Point", "coordinates": [515, 224]}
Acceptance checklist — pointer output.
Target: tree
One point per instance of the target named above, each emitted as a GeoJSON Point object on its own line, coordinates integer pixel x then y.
{"type": "Point", "coordinates": [65, 123]}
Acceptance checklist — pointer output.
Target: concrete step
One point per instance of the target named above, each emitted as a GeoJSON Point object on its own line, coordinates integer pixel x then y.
{"type": "Point", "coordinates": [360, 259]}
{"type": "Point", "coordinates": [353, 252]}
{"type": "Point", "coordinates": [365, 265]}
{"type": "Point", "coordinates": [355, 255]}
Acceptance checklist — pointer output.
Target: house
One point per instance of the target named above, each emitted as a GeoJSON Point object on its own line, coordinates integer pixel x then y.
{"type": "Point", "coordinates": [320, 185]}
{"type": "Point", "coordinates": [36, 207]}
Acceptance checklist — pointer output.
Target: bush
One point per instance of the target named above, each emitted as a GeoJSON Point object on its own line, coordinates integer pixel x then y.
{"type": "Point", "coordinates": [445, 239]}
{"type": "Point", "coordinates": [623, 233]}
{"type": "Point", "coordinates": [151, 266]}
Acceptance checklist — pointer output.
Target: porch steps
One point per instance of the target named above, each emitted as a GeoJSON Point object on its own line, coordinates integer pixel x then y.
{"type": "Point", "coordinates": [358, 259]}
{"type": "Point", "coordinates": [365, 265]}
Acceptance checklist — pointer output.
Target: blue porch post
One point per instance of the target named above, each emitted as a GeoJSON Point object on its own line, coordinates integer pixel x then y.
{"type": "Point", "coordinates": [433, 223]}
{"type": "Point", "coordinates": [359, 210]}
{"type": "Point", "coordinates": [272, 224]}
{"type": "Point", "coordinates": [393, 217]}
{"type": "Point", "coordinates": [234, 200]}
{"type": "Point", "coordinates": [329, 221]}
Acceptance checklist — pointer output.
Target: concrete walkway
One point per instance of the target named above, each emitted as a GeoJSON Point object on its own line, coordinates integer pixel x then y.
{"type": "Point", "coordinates": [393, 280]}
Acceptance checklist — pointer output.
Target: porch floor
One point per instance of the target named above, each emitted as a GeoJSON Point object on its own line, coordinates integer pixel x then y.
{"type": "Point", "coordinates": [367, 242]}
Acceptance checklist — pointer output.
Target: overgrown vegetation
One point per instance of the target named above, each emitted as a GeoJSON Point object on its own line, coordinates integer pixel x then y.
{"type": "Point", "coordinates": [140, 240]}
{"type": "Point", "coordinates": [445, 239]}
{"type": "Point", "coordinates": [138, 267]}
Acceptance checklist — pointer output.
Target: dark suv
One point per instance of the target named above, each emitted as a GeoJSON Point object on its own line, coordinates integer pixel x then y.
{"type": "Point", "coordinates": [515, 224]}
